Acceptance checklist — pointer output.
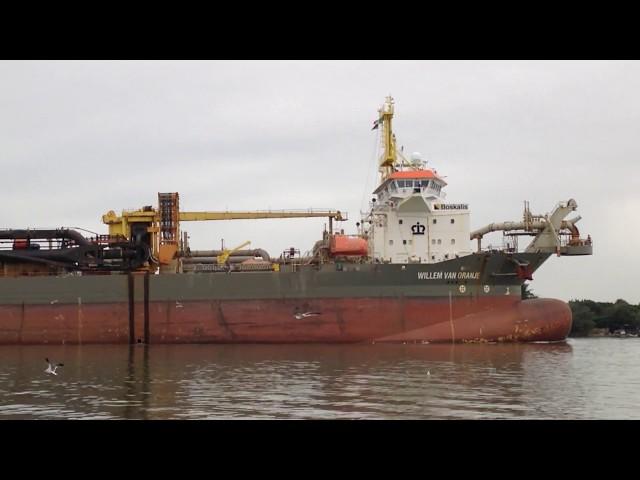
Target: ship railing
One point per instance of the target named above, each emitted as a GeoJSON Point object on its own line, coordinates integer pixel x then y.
{"type": "Point", "coordinates": [34, 244]}
{"type": "Point", "coordinates": [499, 249]}
{"type": "Point", "coordinates": [569, 240]}
{"type": "Point", "coordinates": [36, 273]}
{"type": "Point", "coordinates": [215, 268]}
{"type": "Point", "coordinates": [291, 256]}
{"type": "Point", "coordinates": [106, 240]}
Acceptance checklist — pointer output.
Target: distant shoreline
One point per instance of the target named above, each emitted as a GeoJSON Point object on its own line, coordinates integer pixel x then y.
{"type": "Point", "coordinates": [605, 335]}
{"type": "Point", "coordinates": [604, 319]}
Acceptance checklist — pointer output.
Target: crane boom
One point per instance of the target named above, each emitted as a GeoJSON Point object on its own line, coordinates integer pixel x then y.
{"type": "Point", "coordinates": [257, 214]}
{"type": "Point", "coordinates": [160, 228]}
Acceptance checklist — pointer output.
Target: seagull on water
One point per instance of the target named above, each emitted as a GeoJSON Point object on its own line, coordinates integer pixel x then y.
{"type": "Point", "coordinates": [52, 367]}
{"type": "Point", "coordinates": [300, 316]}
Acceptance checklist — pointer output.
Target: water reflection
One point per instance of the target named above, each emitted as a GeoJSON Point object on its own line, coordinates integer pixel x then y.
{"type": "Point", "coordinates": [322, 381]}
{"type": "Point", "coordinates": [137, 383]}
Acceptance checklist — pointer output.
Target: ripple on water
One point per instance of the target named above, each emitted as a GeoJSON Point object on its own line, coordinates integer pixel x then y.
{"type": "Point", "coordinates": [585, 378]}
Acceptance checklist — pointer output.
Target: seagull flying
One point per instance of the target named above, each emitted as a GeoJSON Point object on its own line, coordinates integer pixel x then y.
{"type": "Point", "coordinates": [52, 367]}
{"type": "Point", "coordinates": [300, 316]}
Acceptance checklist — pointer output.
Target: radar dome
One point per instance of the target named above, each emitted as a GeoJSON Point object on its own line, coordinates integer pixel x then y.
{"type": "Point", "coordinates": [416, 157]}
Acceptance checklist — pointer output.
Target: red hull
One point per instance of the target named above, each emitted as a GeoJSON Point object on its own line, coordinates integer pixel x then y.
{"type": "Point", "coordinates": [342, 320]}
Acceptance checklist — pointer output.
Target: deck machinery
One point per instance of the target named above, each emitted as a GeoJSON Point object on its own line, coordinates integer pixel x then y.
{"type": "Point", "coordinates": [148, 239]}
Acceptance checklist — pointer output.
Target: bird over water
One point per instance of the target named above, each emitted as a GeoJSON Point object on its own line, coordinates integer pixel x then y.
{"type": "Point", "coordinates": [52, 367]}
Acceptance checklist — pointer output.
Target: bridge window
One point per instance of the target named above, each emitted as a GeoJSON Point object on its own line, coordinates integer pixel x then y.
{"type": "Point", "coordinates": [433, 241]}
{"type": "Point", "coordinates": [439, 241]}
{"type": "Point", "coordinates": [400, 221]}
{"type": "Point", "coordinates": [453, 220]}
{"type": "Point", "coordinates": [404, 242]}
{"type": "Point", "coordinates": [453, 241]}
{"type": "Point", "coordinates": [435, 220]}
{"type": "Point", "coordinates": [390, 242]}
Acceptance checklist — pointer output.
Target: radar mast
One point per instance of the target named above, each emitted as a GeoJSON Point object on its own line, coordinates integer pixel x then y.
{"type": "Point", "coordinates": [389, 156]}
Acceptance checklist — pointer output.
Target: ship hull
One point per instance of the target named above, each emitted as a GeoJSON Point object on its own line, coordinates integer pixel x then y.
{"type": "Point", "coordinates": [471, 299]}
{"type": "Point", "coordinates": [345, 320]}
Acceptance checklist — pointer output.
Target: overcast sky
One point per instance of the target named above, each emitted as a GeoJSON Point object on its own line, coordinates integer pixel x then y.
{"type": "Point", "coordinates": [80, 138]}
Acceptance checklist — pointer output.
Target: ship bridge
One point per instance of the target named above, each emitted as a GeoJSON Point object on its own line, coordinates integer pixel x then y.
{"type": "Point", "coordinates": [402, 184]}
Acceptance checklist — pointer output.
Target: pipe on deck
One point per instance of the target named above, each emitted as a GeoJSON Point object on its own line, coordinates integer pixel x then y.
{"type": "Point", "coordinates": [538, 225]}
{"type": "Point", "coordinates": [256, 252]}
{"type": "Point", "coordinates": [44, 234]}
{"type": "Point", "coordinates": [194, 260]}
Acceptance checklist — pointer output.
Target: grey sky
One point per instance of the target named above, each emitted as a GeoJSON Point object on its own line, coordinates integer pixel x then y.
{"type": "Point", "coordinates": [80, 138]}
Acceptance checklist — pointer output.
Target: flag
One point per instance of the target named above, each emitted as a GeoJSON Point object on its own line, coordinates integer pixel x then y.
{"type": "Point", "coordinates": [376, 123]}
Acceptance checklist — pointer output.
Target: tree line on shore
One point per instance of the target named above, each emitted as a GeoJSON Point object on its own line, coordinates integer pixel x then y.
{"type": "Point", "coordinates": [589, 315]}
{"type": "Point", "coordinates": [617, 316]}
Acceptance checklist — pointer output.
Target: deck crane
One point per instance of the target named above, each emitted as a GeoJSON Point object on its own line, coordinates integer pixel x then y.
{"type": "Point", "coordinates": [160, 228]}
{"type": "Point", "coordinates": [224, 256]}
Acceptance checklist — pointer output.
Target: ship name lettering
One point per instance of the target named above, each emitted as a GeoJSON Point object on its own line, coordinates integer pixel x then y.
{"type": "Point", "coordinates": [430, 275]}
{"type": "Point", "coordinates": [449, 275]}
{"type": "Point", "coordinates": [468, 275]}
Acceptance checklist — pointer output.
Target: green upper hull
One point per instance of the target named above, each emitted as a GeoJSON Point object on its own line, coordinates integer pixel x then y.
{"type": "Point", "coordinates": [483, 274]}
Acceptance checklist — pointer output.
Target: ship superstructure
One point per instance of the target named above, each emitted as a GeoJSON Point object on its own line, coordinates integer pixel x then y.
{"type": "Point", "coordinates": [410, 222]}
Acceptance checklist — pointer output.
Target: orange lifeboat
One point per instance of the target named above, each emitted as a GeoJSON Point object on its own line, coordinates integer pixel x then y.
{"type": "Point", "coordinates": [348, 245]}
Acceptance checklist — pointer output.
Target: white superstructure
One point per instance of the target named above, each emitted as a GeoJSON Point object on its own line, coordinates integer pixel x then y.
{"type": "Point", "coordinates": [409, 220]}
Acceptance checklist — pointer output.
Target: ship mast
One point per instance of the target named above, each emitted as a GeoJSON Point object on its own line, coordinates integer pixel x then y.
{"type": "Point", "coordinates": [388, 158]}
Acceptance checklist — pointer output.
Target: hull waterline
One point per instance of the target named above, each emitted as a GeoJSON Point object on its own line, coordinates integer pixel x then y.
{"type": "Point", "coordinates": [345, 320]}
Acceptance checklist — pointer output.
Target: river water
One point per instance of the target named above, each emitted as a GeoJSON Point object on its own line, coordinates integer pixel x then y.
{"type": "Point", "coordinates": [590, 378]}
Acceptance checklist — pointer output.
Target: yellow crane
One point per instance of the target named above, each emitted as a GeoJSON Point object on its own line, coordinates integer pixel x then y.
{"type": "Point", "coordinates": [224, 255]}
{"type": "Point", "coordinates": [160, 227]}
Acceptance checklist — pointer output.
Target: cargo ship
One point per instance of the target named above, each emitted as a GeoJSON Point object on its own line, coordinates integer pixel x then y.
{"type": "Point", "coordinates": [411, 271]}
